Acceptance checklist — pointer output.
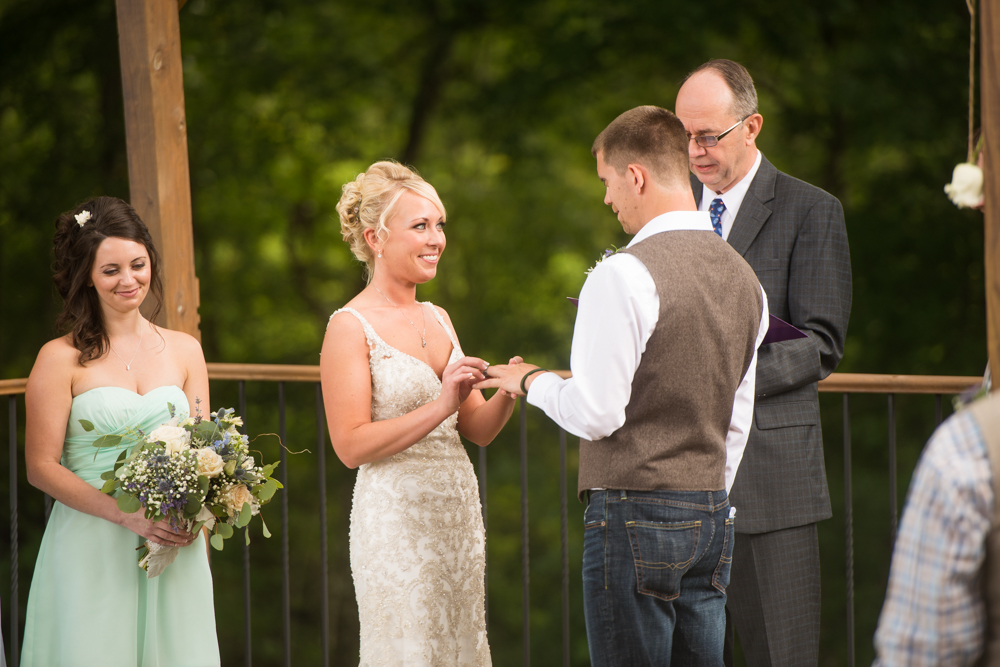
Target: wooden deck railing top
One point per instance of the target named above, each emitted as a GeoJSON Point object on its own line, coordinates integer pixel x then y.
{"type": "Point", "coordinates": [850, 383]}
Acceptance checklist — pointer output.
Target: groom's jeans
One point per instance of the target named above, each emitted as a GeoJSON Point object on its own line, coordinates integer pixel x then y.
{"type": "Point", "coordinates": [655, 570]}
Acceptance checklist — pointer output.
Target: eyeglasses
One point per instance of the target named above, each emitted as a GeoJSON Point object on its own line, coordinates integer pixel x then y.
{"type": "Point", "coordinates": [707, 140]}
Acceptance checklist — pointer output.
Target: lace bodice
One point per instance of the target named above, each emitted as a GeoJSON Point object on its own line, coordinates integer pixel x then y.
{"type": "Point", "coordinates": [402, 383]}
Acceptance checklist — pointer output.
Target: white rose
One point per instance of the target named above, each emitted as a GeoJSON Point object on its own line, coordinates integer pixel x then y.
{"type": "Point", "coordinates": [966, 187]}
{"type": "Point", "coordinates": [210, 464]}
{"type": "Point", "coordinates": [175, 438]}
{"type": "Point", "coordinates": [235, 496]}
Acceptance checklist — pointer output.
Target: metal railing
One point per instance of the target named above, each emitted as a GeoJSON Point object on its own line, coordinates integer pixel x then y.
{"type": "Point", "coordinates": [844, 383]}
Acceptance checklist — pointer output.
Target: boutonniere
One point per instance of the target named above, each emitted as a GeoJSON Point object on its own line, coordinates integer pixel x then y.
{"type": "Point", "coordinates": [607, 253]}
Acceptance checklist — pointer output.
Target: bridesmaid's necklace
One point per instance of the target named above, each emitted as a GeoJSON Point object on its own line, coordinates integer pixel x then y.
{"type": "Point", "coordinates": [423, 340]}
{"type": "Point", "coordinates": [128, 364]}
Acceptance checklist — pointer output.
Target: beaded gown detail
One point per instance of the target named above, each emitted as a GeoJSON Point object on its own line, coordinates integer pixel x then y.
{"type": "Point", "coordinates": [417, 539]}
{"type": "Point", "coordinates": [90, 602]}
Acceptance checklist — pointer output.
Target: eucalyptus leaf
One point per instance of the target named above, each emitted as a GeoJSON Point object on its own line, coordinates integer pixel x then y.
{"type": "Point", "coordinates": [246, 532]}
{"type": "Point", "coordinates": [129, 504]}
{"type": "Point", "coordinates": [263, 525]}
{"type": "Point", "coordinates": [219, 511]}
{"type": "Point", "coordinates": [87, 426]}
{"type": "Point", "coordinates": [267, 490]}
{"type": "Point", "coordinates": [108, 441]}
{"type": "Point", "coordinates": [108, 474]}
{"type": "Point", "coordinates": [225, 530]}
{"type": "Point", "coordinates": [203, 485]}
{"type": "Point", "coordinates": [193, 504]}
{"type": "Point", "coordinates": [217, 541]}
{"type": "Point", "coordinates": [245, 516]}
{"type": "Point", "coordinates": [208, 430]}
{"type": "Point", "coordinates": [109, 486]}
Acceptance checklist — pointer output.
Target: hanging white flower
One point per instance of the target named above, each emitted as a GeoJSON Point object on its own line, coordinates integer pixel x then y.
{"type": "Point", "coordinates": [82, 218]}
{"type": "Point", "coordinates": [966, 187]}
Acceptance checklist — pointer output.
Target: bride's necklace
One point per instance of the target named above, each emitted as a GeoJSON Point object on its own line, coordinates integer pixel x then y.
{"type": "Point", "coordinates": [128, 364]}
{"type": "Point", "coordinates": [423, 340]}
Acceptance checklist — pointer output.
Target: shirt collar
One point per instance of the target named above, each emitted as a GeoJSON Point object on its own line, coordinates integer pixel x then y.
{"type": "Point", "coordinates": [673, 221]}
{"type": "Point", "coordinates": [734, 197]}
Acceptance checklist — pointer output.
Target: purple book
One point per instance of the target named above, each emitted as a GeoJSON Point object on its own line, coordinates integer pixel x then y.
{"type": "Point", "coordinates": [777, 328]}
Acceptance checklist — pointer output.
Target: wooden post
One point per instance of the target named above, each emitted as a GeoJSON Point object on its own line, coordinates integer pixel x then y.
{"type": "Point", "coordinates": [156, 134]}
{"type": "Point", "coordinates": [989, 33]}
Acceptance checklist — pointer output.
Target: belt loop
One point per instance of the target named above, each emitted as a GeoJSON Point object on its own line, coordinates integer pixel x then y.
{"type": "Point", "coordinates": [624, 497]}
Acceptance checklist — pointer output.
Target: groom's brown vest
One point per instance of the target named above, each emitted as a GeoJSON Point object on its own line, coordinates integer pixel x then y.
{"type": "Point", "coordinates": [674, 436]}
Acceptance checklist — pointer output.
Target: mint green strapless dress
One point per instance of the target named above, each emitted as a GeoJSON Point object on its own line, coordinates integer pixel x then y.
{"type": "Point", "coordinates": [90, 603]}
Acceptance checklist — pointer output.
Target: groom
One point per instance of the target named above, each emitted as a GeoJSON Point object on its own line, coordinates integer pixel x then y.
{"type": "Point", "coordinates": [663, 358]}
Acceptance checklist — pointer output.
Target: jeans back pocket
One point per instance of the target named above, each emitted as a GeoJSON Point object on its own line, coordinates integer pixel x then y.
{"type": "Point", "coordinates": [662, 552]}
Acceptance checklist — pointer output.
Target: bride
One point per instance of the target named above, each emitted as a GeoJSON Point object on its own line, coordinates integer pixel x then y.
{"type": "Point", "coordinates": [398, 391]}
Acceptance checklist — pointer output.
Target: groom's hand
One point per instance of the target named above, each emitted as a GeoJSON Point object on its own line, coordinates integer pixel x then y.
{"type": "Point", "coordinates": [507, 377]}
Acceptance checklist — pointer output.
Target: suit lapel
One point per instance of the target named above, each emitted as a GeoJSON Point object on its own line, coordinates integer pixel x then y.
{"type": "Point", "coordinates": [696, 189]}
{"type": "Point", "coordinates": [753, 211]}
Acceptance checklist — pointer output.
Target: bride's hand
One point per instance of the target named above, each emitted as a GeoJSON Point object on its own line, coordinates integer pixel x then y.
{"type": "Point", "coordinates": [458, 378]}
{"type": "Point", "coordinates": [157, 531]}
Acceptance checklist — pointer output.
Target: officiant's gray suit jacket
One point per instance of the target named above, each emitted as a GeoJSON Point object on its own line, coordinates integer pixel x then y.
{"type": "Point", "coordinates": [793, 235]}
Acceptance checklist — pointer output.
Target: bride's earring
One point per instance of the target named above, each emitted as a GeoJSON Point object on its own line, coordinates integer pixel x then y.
{"type": "Point", "coordinates": [380, 253]}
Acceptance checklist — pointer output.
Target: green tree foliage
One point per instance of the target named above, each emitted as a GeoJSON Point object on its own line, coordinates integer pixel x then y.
{"type": "Point", "coordinates": [496, 104]}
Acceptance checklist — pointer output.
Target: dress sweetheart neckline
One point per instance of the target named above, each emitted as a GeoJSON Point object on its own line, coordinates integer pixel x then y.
{"type": "Point", "coordinates": [407, 354]}
{"type": "Point", "coordinates": [111, 386]}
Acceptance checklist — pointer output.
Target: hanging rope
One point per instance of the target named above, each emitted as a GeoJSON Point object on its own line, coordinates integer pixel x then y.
{"type": "Point", "coordinates": [972, 74]}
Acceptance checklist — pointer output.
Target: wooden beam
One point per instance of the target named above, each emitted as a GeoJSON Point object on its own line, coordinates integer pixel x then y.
{"type": "Point", "coordinates": [156, 134]}
{"type": "Point", "coordinates": [989, 17]}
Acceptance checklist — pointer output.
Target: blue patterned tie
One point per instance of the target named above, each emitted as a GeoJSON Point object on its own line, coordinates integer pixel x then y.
{"type": "Point", "coordinates": [715, 210]}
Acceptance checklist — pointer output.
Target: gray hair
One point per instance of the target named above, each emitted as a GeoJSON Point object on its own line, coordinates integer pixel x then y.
{"type": "Point", "coordinates": [738, 80]}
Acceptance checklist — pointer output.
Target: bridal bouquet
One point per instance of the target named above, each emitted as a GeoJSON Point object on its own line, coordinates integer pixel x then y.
{"type": "Point", "coordinates": [193, 472]}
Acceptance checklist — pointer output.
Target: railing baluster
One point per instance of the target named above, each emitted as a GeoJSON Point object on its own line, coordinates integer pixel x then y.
{"type": "Point", "coordinates": [286, 596]}
{"type": "Point", "coordinates": [849, 537]}
{"type": "Point", "coordinates": [324, 575]}
{"type": "Point", "coordinates": [247, 641]}
{"type": "Point", "coordinates": [15, 633]}
{"type": "Point", "coordinates": [938, 415]}
{"type": "Point", "coordinates": [48, 507]}
{"type": "Point", "coordinates": [893, 509]}
{"type": "Point", "coordinates": [564, 543]}
{"type": "Point", "coordinates": [525, 609]}
{"type": "Point", "coordinates": [486, 561]}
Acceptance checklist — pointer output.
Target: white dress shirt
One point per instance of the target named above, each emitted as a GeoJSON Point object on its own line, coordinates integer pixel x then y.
{"type": "Point", "coordinates": [732, 199]}
{"type": "Point", "coordinates": [618, 310]}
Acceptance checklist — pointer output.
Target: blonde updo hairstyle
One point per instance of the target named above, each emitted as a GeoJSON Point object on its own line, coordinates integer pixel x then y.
{"type": "Point", "coordinates": [369, 200]}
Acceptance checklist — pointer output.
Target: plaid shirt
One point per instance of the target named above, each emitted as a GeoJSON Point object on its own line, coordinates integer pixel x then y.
{"type": "Point", "coordinates": [934, 611]}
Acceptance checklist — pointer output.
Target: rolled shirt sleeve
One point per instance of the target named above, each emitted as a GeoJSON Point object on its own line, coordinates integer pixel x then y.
{"type": "Point", "coordinates": [617, 313]}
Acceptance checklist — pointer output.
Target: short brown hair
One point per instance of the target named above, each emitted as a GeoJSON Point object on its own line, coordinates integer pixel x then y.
{"type": "Point", "coordinates": [738, 80]}
{"type": "Point", "coordinates": [646, 135]}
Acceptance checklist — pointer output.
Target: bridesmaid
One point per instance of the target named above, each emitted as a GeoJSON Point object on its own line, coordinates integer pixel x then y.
{"type": "Point", "coordinates": [90, 603]}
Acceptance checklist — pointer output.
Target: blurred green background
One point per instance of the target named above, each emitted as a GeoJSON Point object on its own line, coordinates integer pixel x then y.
{"type": "Point", "coordinates": [496, 104]}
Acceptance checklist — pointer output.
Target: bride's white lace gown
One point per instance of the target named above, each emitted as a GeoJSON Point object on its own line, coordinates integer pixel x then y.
{"type": "Point", "coordinates": [417, 539]}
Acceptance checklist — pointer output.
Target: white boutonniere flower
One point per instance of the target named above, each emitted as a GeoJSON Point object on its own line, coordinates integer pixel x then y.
{"type": "Point", "coordinates": [966, 187]}
{"type": "Point", "coordinates": [607, 253]}
{"type": "Point", "coordinates": [82, 218]}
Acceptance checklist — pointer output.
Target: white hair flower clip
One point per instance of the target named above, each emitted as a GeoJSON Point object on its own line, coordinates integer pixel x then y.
{"type": "Point", "coordinates": [82, 218]}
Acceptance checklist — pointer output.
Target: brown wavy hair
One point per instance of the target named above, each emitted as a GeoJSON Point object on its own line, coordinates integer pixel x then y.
{"type": "Point", "coordinates": [75, 246]}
